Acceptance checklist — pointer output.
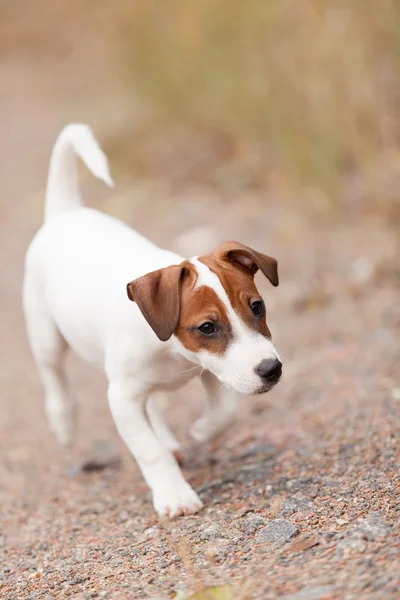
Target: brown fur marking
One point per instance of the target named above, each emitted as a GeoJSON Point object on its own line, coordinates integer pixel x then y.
{"type": "Point", "coordinates": [240, 288]}
{"type": "Point", "coordinates": [198, 306]}
{"type": "Point", "coordinates": [171, 304]}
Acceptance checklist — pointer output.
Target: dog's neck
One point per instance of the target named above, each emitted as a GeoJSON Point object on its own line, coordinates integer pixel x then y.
{"type": "Point", "coordinates": [170, 369]}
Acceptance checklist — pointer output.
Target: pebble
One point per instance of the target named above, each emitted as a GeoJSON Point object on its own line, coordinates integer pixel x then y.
{"type": "Point", "coordinates": [123, 516]}
{"type": "Point", "coordinates": [373, 526]}
{"type": "Point", "coordinates": [369, 528]}
{"type": "Point", "coordinates": [352, 543]}
{"type": "Point", "coordinates": [395, 393]}
{"type": "Point", "coordinates": [213, 532]}
{"type": "Point", "coordinates": [278, 532]}
{"type": "Point", "coordinates": [252, 523]}
{"type": "Point", "coordinates": [78, 580]}
{"type": "Point", "coordinates": [294, 505]}
{"type": "Point", "coordinates": [150, 532]}
{"type": "Point", "coordinates": [316, 592]}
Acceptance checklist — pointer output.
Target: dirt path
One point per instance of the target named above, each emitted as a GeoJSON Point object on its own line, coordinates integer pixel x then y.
{"type": "Point", "coordinates": [301, 496]}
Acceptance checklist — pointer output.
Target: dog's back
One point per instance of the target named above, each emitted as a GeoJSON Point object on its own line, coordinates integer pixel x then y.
{"type": "Point", "coordinates": [80, 261]}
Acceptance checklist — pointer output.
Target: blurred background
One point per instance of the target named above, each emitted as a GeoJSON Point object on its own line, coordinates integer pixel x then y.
{"type": "Point", "coordinates": [273, 123]}
{"type": "Point", "coordinates": [297, 98]}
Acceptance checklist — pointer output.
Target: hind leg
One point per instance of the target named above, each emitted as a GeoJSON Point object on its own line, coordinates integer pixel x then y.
{"type": "Point", "coordinates": [49, 350]}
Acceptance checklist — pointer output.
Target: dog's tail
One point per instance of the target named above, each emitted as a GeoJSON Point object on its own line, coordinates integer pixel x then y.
{"type": "Point", "coordinates": [63, 191]}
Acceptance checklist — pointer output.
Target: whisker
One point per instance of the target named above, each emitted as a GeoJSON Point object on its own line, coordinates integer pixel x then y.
{"type": "Point", "coordinates": [220, 388]}
{"type": "Point", "coordinates": [187, 370]}
{"type": "Point", "coordinates": [167, 350]}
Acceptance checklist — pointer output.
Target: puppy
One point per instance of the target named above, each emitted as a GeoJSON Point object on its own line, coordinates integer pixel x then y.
{"type": "Point", "coordinates": [175, 319]}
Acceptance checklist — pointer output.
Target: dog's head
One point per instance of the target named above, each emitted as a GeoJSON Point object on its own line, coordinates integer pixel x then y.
{"type": "Point", "coordinates": [211, 306]}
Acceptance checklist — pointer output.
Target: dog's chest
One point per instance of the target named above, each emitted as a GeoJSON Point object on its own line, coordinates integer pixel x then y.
{"type": "Point", "coordinates": [171, 370]}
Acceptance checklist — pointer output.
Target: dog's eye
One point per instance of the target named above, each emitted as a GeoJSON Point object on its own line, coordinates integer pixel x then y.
{"type": "Point", "coordinates": [207, 328]}
{"type": "Point", "coordinates": [257, 307]}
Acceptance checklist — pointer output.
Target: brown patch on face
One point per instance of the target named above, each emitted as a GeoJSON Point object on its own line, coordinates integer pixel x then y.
{"type": "Point", "coordinates": [238, 283]}
{"type": "Point", "coordinates": [198, 306]}
{"type": "Point", "coordinates": [170, 304]}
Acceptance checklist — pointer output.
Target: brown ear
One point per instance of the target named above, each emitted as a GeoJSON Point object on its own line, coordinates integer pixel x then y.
{"type": "Point", "coordinates": [157, 294]}
{"type": "Point", "coordinates": [247, 258]}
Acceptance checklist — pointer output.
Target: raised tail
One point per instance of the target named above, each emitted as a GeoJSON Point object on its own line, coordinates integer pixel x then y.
{"type": "Point", "coordinates": [63, 191]}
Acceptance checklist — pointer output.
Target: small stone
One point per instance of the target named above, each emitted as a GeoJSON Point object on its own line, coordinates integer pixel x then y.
{"type": "Point", "coordinates": [294, 505]}
{"type": "Point", "coordinates": [213, 532]}
{"type": "Point", "coordinates": [395, 393]}
{"type": "Point", "coordinates": [361, 271]}
{"type": "Point", "coordinates": [35, 575]}
{"type": "Point", "coordinates": [373, 526]}
{"type": "Point", "coordinates": [316, 592]}
{"type": "Point", "coordinates": [123, 516]}
{"type": "Point", "coordinates": [352, 543]}
{"type": "Point", "coordinates": [277, 532]}
{"type": "Point", "coordinates": [252, 523]}
{"type": "Point", "coordinates": [265, 450]}
{"type": "Point", "coordinates": [78, 580]}
{"type": "Point", "coordinates": [150, 532]}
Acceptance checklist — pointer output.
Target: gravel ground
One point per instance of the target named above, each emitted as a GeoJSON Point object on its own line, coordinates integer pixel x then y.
{"type": "Point", "coordinates": [301, 495]}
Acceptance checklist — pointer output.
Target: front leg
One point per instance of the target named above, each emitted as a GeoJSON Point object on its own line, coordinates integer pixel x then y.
{"type": "Point", "coordinates": [172, 495]}
{"type": "Point", "coordinates": [162, 430]}
{"type": "Point", "coordinates": [219, 414]}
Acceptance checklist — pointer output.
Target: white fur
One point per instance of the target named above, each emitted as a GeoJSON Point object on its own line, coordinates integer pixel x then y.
{"type": "Point", "coordinates": [76, 272]}
{"type": "Point", "coordinates": [236, 367]}
{"type": "Point", "coordinates": [62, 184]}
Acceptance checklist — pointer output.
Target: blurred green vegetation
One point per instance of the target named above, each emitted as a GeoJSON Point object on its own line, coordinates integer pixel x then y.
{"type": "Point", "coordinates": [313, 85]}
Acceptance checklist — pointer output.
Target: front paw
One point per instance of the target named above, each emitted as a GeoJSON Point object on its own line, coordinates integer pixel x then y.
{"type": "Point", "coordinates": [175, 501]}
{"type": "Point", "coordinates": [201, 430]}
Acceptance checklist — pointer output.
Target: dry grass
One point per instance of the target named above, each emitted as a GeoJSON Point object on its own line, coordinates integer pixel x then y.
{"type": "Point", "coordinates": [300, 94]}
{"type": "Point", "coordinates": [313, 85]}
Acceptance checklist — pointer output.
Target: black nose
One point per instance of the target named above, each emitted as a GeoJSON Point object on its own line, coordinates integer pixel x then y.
{"type": "Point", "coordinates": [269, 369]}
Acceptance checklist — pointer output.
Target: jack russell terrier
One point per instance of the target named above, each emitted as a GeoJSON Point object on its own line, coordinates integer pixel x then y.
{"type": "Point", "coordinates": [198, 316]}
